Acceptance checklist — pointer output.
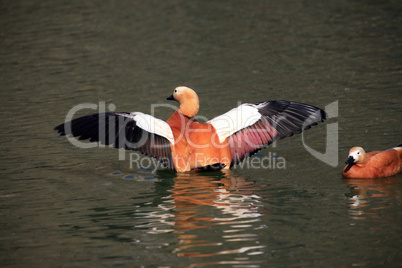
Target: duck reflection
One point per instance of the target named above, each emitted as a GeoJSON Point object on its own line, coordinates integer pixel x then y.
{"type": "Point", "coordinates": [368, 197]}
{"type": "Point", "coordinates": [196, 196]}
{"type": "Point", "coordinates": [212, 213]}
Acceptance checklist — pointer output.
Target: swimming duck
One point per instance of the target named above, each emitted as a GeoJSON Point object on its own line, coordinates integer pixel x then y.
{"type": "Point", "coordinates": [183, 144]}
{"type": "Point", "coordinates": [372, 165]}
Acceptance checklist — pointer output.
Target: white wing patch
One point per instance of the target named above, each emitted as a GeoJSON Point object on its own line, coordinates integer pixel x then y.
{"type": "Point", "coordinates": [396, 148]}
{"type": "Point", "coordinates": [236, 119]}
{"type": "Point", "coordinates": [151, 124]}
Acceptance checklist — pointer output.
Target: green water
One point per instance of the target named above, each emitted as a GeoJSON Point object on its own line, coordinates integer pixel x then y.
{"type": "Point", "coordinates": [63, 206]}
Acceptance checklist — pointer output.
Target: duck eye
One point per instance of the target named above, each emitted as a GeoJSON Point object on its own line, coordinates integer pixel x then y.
{"type": "Point", "coordinates": [175, 91]}
{"type": "Point", "coordinates": [358, 152]}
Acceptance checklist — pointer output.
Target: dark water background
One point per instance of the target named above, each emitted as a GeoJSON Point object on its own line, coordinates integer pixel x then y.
{"type": "Point", "coordinates": [63, 206]}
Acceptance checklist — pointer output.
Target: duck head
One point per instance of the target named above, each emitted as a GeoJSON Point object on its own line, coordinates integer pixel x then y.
{"type": "Point", "coordinates": [357, 156]}
{"type": "Point", "coordinates": [188, 99]}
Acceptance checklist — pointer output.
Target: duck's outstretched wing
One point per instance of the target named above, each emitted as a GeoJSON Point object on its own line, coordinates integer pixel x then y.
{"type": "Point", "coordinates": [131, 131]}
{"type": "Point", "coordinates": [252, 126]}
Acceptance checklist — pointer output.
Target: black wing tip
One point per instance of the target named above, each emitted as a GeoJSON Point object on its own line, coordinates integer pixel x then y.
{"type": "Point", "coordinates": [320, 116]}
{"type": "Point", "coordinates": [316, 117]}
{"type": "Point", "coordinates": [282, 105]}
{"type": "Point", "coordinates": [324, 115]}
{"type": "Point", "coordinates": [60, 129]}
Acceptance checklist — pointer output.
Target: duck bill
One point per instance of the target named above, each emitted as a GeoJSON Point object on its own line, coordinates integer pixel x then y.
{"type": "Point", "coordinates": [170, 98]}
{"type": "Point", "coordinates": [350, 162]}
{"type": "Point", "coordinates": [348, 167]}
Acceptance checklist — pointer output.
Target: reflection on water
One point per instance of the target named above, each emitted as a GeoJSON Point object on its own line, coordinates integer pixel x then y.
{"type": "Point", "coordinates": [363, 192]}
{"type": "Point", "coordinates": [228, 206]}
{"type": "Point", "coordinates": [194, 215]}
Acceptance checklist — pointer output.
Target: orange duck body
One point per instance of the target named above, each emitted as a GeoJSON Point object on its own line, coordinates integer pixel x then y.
{"type": "Point", "coordinates": [192, 150]}
{"type": "Point", "coordinates": [183, 144]}
{"type": "Point", "coordinates": [377, 164]}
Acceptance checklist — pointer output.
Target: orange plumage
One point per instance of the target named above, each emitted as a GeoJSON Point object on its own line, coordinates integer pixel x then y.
{"type": "Point", "coordinates": [192, 148]}
{"type": "Point", "coordinates": [375, 164]}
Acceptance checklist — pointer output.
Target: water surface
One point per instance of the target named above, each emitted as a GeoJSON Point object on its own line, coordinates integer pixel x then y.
{"type": "Point", "coordinates": [63, 206]}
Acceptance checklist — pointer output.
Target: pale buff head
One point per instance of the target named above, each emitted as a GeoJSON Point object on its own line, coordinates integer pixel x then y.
{"type": "Point", "coordinates": [357, 155]}
{"type": "Point", "coordinates": [188, 99]}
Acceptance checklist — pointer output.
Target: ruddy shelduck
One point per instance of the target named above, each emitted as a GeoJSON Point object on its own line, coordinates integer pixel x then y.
{"type": "Point", "coordinates": [378, 164]}
{"type": "Point", "coordinates": [184, 144]}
